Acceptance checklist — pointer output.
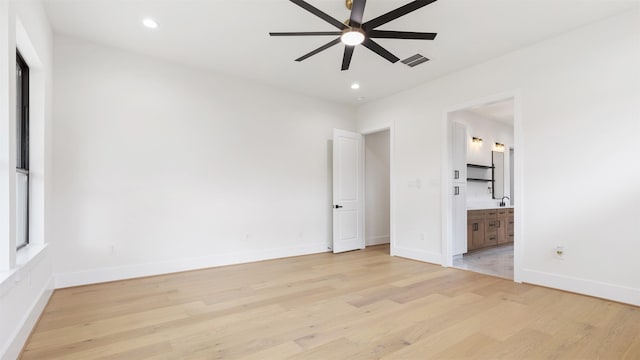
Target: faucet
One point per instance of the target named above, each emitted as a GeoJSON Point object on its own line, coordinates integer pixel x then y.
{"type": "Point", "coordinates": [502, 204]}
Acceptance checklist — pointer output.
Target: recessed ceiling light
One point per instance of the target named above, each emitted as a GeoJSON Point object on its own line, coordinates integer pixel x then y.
{"type": "Point", "coordinates": [150, 23]}
{"type": "Point", "coordinates": [355, 86]}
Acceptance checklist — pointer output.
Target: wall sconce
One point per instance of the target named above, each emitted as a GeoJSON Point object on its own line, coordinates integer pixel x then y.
{"type": "Point", "coordinates": [476, 140]}
{"type": "Point", "coordinates": [499, 147]}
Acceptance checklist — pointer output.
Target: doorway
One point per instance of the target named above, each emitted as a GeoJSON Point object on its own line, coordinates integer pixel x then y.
{"type": "Point", "coordinates": [480, 235]}
{"type": "Point", "coordinates": [362, 200]}
{"type": "Point", "coordinates": [377, 166]}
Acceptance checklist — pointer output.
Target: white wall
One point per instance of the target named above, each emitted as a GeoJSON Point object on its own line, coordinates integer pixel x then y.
{"type": "Point", "coordinates": [25, 275]}
{"type": "Point", "coordinates": [490, 131]}
{"type": "Point", "coordinates": [162, 168]}
{"type": "Point", "coordinates": [580, 104]}
{"type": "Point", "coordinates": [377, 156]}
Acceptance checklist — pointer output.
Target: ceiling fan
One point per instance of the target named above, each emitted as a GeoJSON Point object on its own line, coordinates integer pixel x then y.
{"type": "Point", "coordinates": [354, 32]}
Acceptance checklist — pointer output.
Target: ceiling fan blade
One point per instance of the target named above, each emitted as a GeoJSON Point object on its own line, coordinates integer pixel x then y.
{"type": "Point", "coordinates": [394, 14]}
{"type": "Point", "coordinates": [376, 48]}
{"type": "Point", "coordinates": [384, 34]}
{"type": "Point", "coordinates": [309, 33]}
{"type": "Point", "coordinates": [317, 12]}
{"type": "Point", "coordinates": [346, 59]}
{"type": "Point", "coordinates": [321, 48]}
{"type": "Point", "coordinates": [357, 11]}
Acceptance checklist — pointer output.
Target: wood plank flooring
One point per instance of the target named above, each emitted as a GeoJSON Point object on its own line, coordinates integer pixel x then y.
{"type": "Point", "coordinates": [356, 305]}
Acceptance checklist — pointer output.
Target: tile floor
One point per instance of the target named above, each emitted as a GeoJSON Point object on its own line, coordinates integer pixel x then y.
{"type": "Point", "coordinates": [496, 261]}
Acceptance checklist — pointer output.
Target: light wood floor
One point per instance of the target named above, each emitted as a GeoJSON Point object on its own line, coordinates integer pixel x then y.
{"type": "Point", "coordinates": [357, 305]}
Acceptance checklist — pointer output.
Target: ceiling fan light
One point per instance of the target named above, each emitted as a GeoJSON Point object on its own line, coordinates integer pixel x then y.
{"type": "Point", "coordinates": [352, 37]}
{"type": "Point", "coordinates": [150, 23]}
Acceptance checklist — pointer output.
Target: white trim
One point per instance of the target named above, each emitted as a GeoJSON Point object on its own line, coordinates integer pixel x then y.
{"type": "Point", "coordinates": [392, 190]}
{"type": "Point", "coordinates": [420, 255]}
{"type": "Point", "coordinates": [519, 238]}
{"type": "Point", "coordinates": [19, 338]}
{"type": "Point", "coordinates": [377, 240]}
{"type": "Point", "coordinates": [27, 258]}
{"type": "Point", "coordinates": [63, 280]}
{"type": "Point", "coordinates": [446, 188]}
{"type": "Point", "coordinates": [622, 294]}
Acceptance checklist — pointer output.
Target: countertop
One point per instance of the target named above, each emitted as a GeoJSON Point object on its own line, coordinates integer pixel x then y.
{"type": "Point", "coordinates": [489, 207]}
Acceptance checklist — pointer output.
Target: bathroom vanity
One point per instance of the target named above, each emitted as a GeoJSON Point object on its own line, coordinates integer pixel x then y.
{"type": "Point", "coordinates": [489, 227]}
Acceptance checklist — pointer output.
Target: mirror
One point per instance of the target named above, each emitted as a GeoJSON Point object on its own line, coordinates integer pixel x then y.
{"type": "Point", "coordinates": [498, 174]}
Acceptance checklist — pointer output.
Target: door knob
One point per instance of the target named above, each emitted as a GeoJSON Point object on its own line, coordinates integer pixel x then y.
{"type": "Point", "coordinates": [337, 206]}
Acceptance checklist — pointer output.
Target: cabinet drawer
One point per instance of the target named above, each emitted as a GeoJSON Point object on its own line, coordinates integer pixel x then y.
{"type": "Point", "coordinates": [491, 225]}
{"type": "Point", "coordinates": [491, 239]}
{"type": "Point", "coordinates": [510, 211]}
{"type": "Point", "coordinates": [475, 214]}
{"type": "Point", "coordinates": [491, 212]}
{"type": "Point", "coordinates": [502, 212]}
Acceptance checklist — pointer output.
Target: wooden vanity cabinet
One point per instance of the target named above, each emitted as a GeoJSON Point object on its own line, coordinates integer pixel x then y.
{"type": "Point", "coordinates": [475, 229]}
{"type": "Point", "coordinates": [489, 227]}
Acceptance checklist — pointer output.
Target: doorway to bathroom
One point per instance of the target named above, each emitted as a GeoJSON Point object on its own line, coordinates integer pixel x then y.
{"type": "Point", "coordinates": [481, 178]}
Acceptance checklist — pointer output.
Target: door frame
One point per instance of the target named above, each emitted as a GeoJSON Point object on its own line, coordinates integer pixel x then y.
{"type": "Point", "coordinates": [392, 182]}
{"type": "Point", "coordinates": [518, 190]}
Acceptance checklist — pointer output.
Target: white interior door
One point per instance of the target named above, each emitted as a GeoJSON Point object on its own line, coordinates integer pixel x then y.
{"type": "Point", "coordinates": [348, 191]}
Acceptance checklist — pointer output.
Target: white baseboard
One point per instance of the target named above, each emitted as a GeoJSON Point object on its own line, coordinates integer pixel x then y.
{"type": "Point", "coordinates": [93, 276]}
{"type": "Point", "coordinates": [582, 286]}
{"type": "Point", "coordinates": [377, 240]}
{"type": "Point", "coordinates": [417, 254]}
{"type": "Point", "coordinates": [29, 322]}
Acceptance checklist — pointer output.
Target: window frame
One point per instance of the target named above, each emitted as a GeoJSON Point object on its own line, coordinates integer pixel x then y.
{"type": "Point", "coordinates": [22, 137]}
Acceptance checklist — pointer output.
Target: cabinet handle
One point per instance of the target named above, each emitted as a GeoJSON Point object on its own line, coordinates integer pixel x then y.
{"type": "Point", "coordinates": [456, 174]}
{"type": "Point", "coordinates": [456, 190]}
{"type": "Point", "coordinates": [498, 223]}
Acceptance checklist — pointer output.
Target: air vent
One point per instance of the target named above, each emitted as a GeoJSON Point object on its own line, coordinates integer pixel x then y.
{"type": "Point", "coordinates": [415, 60]}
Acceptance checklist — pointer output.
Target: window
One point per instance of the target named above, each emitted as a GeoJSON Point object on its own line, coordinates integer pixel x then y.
{"type": "Point", "coordinates": [22, 152]}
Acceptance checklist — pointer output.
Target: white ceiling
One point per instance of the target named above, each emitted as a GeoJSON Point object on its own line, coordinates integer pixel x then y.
{"type": "Point", "coordinates": [500, 111]}
{"type": "Point", "coordinates": [231, 36]}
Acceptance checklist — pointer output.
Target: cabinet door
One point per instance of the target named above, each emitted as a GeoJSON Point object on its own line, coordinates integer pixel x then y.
{"type": "Point", "coordinates": [475, 234]}
{"type": "Point", "coordinates": [501, 228]}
